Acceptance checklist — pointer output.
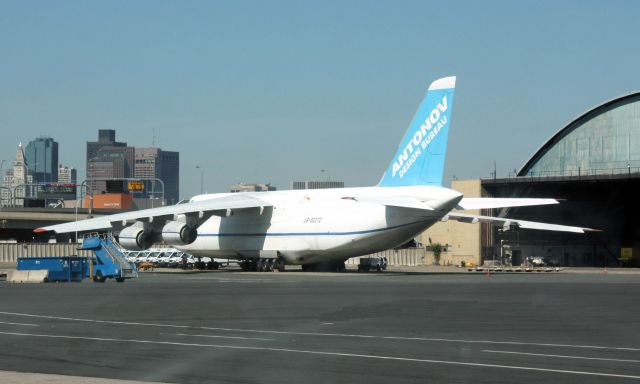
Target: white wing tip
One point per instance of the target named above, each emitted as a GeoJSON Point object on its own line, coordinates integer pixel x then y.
{"type": "Point", "coordinates": [443, 83]}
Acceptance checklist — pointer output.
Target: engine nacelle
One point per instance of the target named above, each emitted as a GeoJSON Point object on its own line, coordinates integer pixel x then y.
{"type": "Point", "coordinates": [134, 238]}
{"type": "Point", "coordinates": [178, 233]}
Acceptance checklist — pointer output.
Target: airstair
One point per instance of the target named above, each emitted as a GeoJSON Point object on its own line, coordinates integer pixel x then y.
{"type": "Point", "coordinates": [109, 261]}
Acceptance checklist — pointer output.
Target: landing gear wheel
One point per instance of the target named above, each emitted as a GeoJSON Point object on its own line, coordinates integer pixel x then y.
{"type": "Point", "coordinates": [260, 265]}
{"type": "Point", "coordinates": [99, 278]}
{"type": "Point", "coordinates": [269, 267]}
{"type": "Point", "coordinates": [280, 265]}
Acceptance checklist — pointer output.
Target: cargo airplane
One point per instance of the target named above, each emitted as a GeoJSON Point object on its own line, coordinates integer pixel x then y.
{"type": "Point", "coordinates": [267, 230]}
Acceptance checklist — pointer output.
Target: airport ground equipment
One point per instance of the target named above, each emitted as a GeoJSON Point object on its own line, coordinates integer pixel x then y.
{"type": "Point", "coordinates": [369, 263]}
{"type": "Point", "coordinates": [109, 261]}
{"type": "Point", "coordinates": [60, 268]}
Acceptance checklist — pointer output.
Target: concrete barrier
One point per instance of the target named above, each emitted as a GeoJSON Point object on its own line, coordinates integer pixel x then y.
{"type": "Point", "coordinates": [36, 276]}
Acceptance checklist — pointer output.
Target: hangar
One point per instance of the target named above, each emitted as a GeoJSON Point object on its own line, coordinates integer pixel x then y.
{"type": "Point", "coordinates": [593, 163]}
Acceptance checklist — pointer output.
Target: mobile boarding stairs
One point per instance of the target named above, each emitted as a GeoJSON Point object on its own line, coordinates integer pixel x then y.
{"type": "Point", "coordinates": [109, 261]}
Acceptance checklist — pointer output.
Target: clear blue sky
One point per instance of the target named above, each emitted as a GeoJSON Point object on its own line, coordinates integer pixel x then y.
{"type": "Point", "coordinates": [271, 91]}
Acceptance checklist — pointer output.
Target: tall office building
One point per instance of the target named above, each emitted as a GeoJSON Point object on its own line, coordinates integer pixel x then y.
{"type": "Point", "coordinates": [67, 175]}
{"type": "Point", "coordinates": [41, 157]}
{"type": "Point", "coordinates": [106, 138]}
{"type": "Point", "coordinates": [154, 163]}
{"type": "Point", "coordinates": [108, 159]}
{"type": "Point", "coordinates": [16, 181]}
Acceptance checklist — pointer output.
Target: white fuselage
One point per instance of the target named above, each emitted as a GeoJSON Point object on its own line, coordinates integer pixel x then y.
{"type": "Point", "coordinates": [309, 226]}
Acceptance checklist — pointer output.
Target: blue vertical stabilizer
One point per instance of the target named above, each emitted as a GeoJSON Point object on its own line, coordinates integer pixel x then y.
{"type": "Point", "coordinates": [421, 154]}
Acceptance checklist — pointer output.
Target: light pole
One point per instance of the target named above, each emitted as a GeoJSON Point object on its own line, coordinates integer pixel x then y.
{"type": "Point", "coordinates": [201, 178]}
{"type": "Point", "coordinates": [1, 179]}
{"type": "Point", "coordinates": [76, 222]}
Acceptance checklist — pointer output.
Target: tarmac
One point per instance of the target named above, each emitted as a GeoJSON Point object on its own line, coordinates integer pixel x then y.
{"type": "Point", "coordinates": [406, 325]}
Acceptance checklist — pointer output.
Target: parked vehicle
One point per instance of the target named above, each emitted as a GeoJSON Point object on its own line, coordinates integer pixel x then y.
{"type": "Point", "coordinates": [131, 256]}
{"type": "Point", "coordinates": [175, 260]}
{"type": "Point", "coordinates": [369, 263]}
{"type": "Point", "coordinates": [163, 259]}
{"type": "Point", "coordinates": [536, 261]}
{"type": "Point", "coordinates": [153, 257]}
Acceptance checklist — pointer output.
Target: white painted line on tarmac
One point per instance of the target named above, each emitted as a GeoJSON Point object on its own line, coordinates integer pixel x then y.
{"type": "Point", "coordinates": [224, 337]}
{"type": "Point", "coordinates": [561, 356]}
{"type": "Point", "coordinates": [324, 334]}
{"type": "Point", "coordinates": [324, 353]}
{"type": "Point", "coordinates": [24, 324]}
{"type": "Point", "coordinates": [224, 280]}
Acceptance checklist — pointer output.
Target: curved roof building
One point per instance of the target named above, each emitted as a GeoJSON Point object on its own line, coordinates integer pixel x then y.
{"type": "Point", "coordinates": [593, 165]}
{"type": "Point", "coordinates": [602, 141]}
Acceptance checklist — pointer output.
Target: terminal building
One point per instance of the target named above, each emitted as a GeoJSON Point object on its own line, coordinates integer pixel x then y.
{"type": "Point", "coordinates": [316, 184]}
{"type": "Point", "coordinates": [593, 165]}
{"type": "Point", "coordinates": [250, 187]}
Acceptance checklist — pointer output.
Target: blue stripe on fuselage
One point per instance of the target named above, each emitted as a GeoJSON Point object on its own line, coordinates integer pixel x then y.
{"type": "Point", "coordinates": [311, 233]}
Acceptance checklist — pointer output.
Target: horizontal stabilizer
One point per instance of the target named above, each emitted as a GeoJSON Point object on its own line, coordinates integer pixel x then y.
{"type": "Point", "coordinates": [507, 223]}
{"type": "Point", "coordinates": [489, 202]}
{"type": "Point", "coordinates": [411, 202]}
{"type": "Point", "coordinates": [396, 201]}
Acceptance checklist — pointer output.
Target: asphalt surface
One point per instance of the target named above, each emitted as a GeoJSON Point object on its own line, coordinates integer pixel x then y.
{"type": "Point", "coordinates": [328, 328]}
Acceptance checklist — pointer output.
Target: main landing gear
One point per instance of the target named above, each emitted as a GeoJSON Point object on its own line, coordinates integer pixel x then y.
{"type": "Point", "coordinates": [271, 264]}
{"type": "Point", "coordinates": [263, 265]}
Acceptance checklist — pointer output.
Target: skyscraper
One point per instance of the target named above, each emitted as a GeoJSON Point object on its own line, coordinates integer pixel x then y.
{"type": "Point", "coordinates": [16, 180]}
{"type": "Point", "coordinates": [106, 159]}
{"type": "Point", "coordinates": [106, 138]}
{"type": "Point", "coordinates": [41, 157]}
{"type": "Point", "coordinates": [109, 159]}
{"type": "Point", "coordinates": [67, 175]}
{"type": "Point", "coordinates": [154, 163]}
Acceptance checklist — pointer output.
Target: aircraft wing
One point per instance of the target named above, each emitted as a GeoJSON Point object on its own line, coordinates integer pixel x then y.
{"type": "Point", "coordinates": [507, 223]}
{"type": "Point", "coordinates": [200, 211]}
{"type": "Point", "coordinates": [489, 202]}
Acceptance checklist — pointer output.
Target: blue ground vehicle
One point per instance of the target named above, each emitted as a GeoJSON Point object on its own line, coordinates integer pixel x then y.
{"type": "Point", "coordinates": [60, 268]}
{"type": "Point", "coordinates": [109, 262]}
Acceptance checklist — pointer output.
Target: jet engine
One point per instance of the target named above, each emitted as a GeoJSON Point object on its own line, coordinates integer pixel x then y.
{"type": "Point", "coordinates": [178, 233]}
{"type": "Point", "coordinates": [135, 238]}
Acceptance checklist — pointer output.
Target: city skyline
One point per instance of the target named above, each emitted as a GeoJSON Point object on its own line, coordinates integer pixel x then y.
{"type": "Point", "coordinates": [38, 164]}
